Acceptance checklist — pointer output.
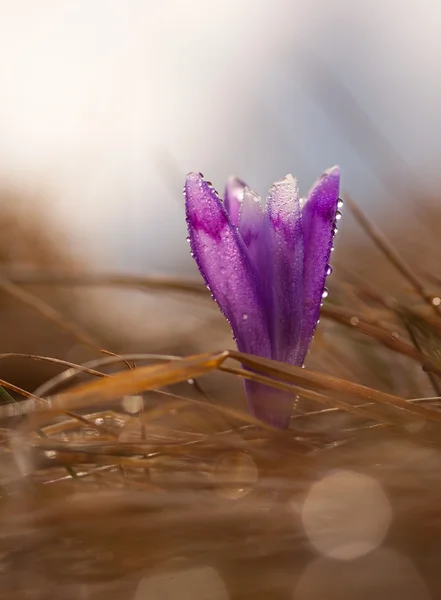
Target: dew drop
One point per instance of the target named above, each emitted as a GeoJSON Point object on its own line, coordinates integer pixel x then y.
{"type": "Point", "coordinates": [244, 317]}
{"type": "Point", "coordinates": [354, 321]}
{"type": "Point", "coordinates": [325, 293]}
{"type": "Point", "coordinates": [187, 239]}
{"type": "Point", "coordinates": [133, 404]}
{"type": "Point", "coordinates": [338, 215]}
{"type": "Point", "coordinates": [395, 335]}
{"type": "Point", "coordinates": [332, 248]}
{"type": "Point", "coordinates": [436, 301]}
{"type": "Point", "coordinates": [340, 203]}
{"type": "Point", "coordinates": [335, 230]}
{"type": "Point", "coordinates": [328, 270]}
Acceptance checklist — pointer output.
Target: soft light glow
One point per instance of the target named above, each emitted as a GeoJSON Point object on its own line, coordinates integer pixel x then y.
{"type": "Point", "coordinates": [346, 515]}
{"type": "Point", "coordinates": [202, 583]}
{"type": "Point", "coordinates": [381, 575]}
{"type": "Point", "coordinates": [132, 404]}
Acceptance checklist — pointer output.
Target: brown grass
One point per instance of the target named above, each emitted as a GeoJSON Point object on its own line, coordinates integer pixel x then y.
{"type": "Point", "coordinates": [93, 497]}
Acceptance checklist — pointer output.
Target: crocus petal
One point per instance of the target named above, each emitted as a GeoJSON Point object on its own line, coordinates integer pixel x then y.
{"type": "Point", "coordinates": [284, 276]}
{"type": "Point", "coordinates": [269, 404]}
{"type": "Point", "coordinates": [233, 198]}
{"type": "Point", "coordinates": [222, 259]}
{"type": "Point", "coordinates": [250, 225]}
{"type": "Point", "coordinates": [318, 219]}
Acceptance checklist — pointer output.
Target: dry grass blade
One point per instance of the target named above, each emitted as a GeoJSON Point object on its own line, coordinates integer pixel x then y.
{"type": "Point", "coordinates": [18, 390]}
{"type": "Point", "coordinates": [131, 382]}
{"type": "Point", "coordinates": [426, 336]}
{"type": "Point", "coordinates": [37, 422]}
{"type": "Point", "coordinates": [56, 361]}
{"type": "Point", "coordinates": [305, 393]}
{"type": "Point", "coordinates": [368, 411]}
{"type": "Point", "coordinates": [61, 278]}
{"type": "Point", "coordinates": [391, 254]}
{"type": "Point", "coordinates": [114, 354]}
{"type": "Point", "coordinates": [320, 381]}
{"type": "Point", "coordinates": [49, 386]}
{"type": "Point", "coordinates": [425, 340]}
{"type": "Point", "coordinates": [50, 313]}
{"type": "Point", "coordinates": [431, 277]}
{"type": "Point", "coordinates": [6, 396]}
{"type": "Point", "coordinates": [390, 339]}
{"type": "Point", "coordinates": [227, 411]}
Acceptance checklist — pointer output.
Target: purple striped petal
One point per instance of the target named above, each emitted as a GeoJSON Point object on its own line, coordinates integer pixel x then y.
{"type": "Point", "coordinates": [222, 259]}
{"type": "Point", "coordinates": [250, 225]}
{"type": "Point", "coordinates": [284, 249]}
{"type": "Point", "coordinates": [233, 198]}
{"type": "Point", "coordinates": [318, 218]}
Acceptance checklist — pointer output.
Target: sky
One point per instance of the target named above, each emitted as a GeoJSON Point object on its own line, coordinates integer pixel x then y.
{"type": "Point", "coordinates": [106, 104]}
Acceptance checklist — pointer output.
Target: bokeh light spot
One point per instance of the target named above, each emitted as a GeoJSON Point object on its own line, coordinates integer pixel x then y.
{"type": "Point", "coordinates": [198, 584]}
{"type": "Point", "coordinates": [346, 515]}
{"type": "Point", "coordinates": [381, 575]}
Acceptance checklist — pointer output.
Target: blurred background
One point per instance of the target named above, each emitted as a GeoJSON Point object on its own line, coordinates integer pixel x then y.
{"type": "Point", "coordinates": [105, 105]}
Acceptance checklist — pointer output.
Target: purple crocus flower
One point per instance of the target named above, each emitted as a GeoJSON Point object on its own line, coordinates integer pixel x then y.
{"type": "Point", "coordinates": [266, 268]}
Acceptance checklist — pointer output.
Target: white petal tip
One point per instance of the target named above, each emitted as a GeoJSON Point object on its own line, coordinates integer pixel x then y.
{"type": "Point", "coordinates": [332, 171]}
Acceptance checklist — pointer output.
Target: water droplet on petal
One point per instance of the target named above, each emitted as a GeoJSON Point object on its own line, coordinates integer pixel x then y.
{"type": "Point", "coordinates": [354, 321]}
{"type": "Point", "coordinates": [244, 317]}
{"type": "Point", "coordinates": [340, 203]}
{"type": "Point", "coordinates": [325, 293]}
{"type": "Point", "coordinates": [436, 301]}
{"type": "Point", "coordinates": [328, 270]}
{"type": "Point", "coordinates": [338, 215]}
{"type": "Point", "coordinates": [187, 239]}
{"type": "Point", "coordinates": [332, 248]}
